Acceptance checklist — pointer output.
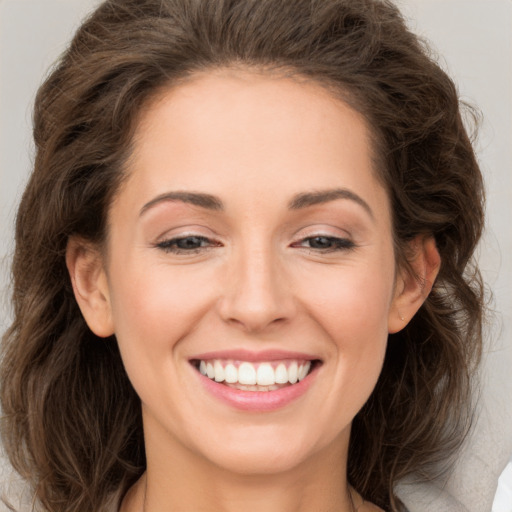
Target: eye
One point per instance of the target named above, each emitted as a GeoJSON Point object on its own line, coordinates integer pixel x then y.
{"type": "Point", "coordinates": [326, 243]}
{"type": "Point", "coordinates": [186, 244]}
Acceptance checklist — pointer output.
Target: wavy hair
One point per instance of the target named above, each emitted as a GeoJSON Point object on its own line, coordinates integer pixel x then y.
{"type": "Point", "coordinates": [72, 422]}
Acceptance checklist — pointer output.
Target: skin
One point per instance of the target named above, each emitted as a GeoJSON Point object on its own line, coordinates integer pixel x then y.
{"type": "Point", "coordinates": [257, 281]}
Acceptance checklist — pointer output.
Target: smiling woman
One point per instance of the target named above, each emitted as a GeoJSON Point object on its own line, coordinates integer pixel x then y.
{"type": "Point", "coordinates": [243, 273]}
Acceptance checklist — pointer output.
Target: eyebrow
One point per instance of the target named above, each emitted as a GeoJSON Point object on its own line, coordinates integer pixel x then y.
{"type": "Point", "coordinates": [206, 201]}
{"type": "Point", "coordinates": [307, 199]}
{"type": "Point", "coordinates": [298, 202]}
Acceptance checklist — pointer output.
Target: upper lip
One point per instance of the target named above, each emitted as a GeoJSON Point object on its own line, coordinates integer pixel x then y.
{"type": "Point", "coordinates": [254, 356]}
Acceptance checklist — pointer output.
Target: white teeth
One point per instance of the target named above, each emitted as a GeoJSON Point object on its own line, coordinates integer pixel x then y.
{"type": "Point", "coordinates": [231, 373]}
{"type": "Point", "coordinates": [281, 374]}
{"type": "Point", "coordinates": [292, 373]}
{"type": "Point", "coordinates": [243, 387]}
{"type": "Point", "coordinates": [246, 374]}
{"type": "Point", "coordinates": [304, 370]}
{"type": "Point", "coordinates": [219, 371]}
{"type": "Point", "coordinates": [265, 375]}
{"type": "Point", "coordinates": [255, 377]}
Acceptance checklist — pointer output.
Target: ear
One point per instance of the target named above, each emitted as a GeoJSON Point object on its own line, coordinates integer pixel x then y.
{"type": "Point", "coordinates": [414, 284]}
{"type": "Point", "coordinates": [90, 285]}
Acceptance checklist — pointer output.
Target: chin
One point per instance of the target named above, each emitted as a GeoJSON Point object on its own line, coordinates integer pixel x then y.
{"type": "Point", "coordinates": [258, 462]}
{"type": "Point", "coordinates": [264, 451]}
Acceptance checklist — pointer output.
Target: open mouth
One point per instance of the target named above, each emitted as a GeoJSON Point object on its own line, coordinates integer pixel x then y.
{"type": "Point", "coordinates": [256, 376]}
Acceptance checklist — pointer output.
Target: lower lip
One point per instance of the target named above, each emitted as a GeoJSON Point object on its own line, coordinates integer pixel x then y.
{"type": "Point", "coordinates": [258, 401]}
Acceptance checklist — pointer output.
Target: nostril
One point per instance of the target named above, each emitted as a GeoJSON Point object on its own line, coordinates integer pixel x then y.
{"type": "Point", "coordinates": [256, 299]}
{"type": "Point", "coordinates": [255, 321]}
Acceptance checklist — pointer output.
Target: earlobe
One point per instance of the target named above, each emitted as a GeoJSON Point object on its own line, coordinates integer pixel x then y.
{"type": "Point", "coordinates": [414, 284]}
{"type": "Point", "coordinates": [90, 285]}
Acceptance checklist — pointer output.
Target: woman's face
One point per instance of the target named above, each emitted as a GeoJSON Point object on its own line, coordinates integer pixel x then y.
{"type": "Point", "coordinates": [251, 241]}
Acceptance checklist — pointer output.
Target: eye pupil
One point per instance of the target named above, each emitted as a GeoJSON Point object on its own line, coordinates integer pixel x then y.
{"type": "Point", "coordinates": [190, 242]}
{"type": "Point", "coordinates": [320, 242]}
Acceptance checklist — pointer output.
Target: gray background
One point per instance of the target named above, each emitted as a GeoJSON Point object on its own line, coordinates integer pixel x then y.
{"type": "Point", "coordinates": [474, 38]}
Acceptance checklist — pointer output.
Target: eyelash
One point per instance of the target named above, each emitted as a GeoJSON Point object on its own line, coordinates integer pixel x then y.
{"type": "Point", "coordinates": [172, 245]}
{"type": "Point", "coordinates": [335, 244]}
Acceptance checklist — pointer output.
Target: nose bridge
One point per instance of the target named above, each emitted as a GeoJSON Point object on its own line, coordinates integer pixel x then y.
{"type": "Point", "coordinates": [256, 294]}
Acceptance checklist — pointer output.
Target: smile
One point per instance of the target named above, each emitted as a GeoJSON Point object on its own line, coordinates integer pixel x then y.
{"type": "Point", "coordinates": [256, 382]}
{"type": "Point", "coordinates": [250, 376]}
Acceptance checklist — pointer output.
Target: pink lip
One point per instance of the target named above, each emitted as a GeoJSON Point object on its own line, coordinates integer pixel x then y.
{"type": "Point", "coordinates": [258, 401]}
{"type": "Point", "coordinates": [247, 355]}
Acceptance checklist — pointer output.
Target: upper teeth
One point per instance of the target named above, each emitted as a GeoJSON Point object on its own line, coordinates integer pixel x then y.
{"type": "Point", "coordinates": [262, 374]}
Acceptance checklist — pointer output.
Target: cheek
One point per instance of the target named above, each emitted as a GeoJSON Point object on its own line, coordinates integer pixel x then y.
{"type": "Point", "coordinates": [357, 324]}
{"type": "Point", "coordinates": [154, 310]}
{"type": "Point", "coordinates": [352, 310]}
{"type": "Point", "coordinates": [154, 307]}
{"type": "Point", "coordinates": [351, 303]}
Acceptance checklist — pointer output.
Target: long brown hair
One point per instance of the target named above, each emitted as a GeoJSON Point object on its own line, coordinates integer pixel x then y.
{"type": "Point", "coordinates": [72, 422]}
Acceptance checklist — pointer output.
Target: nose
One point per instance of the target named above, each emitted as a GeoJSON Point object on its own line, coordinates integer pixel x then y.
{"type": "Point", "coordinates": [257, 294]}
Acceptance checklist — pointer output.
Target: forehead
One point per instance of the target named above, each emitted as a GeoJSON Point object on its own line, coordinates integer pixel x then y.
{"type": "Point", "coordinates": [225, 92]}
{"type": "Point", "coordinates": [232, 130]}
{"type": "Point", "coordinates": [244, 96]}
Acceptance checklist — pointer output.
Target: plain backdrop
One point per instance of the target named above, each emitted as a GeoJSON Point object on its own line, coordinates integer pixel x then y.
{"type": "Point", "coordinates": [474, 41]}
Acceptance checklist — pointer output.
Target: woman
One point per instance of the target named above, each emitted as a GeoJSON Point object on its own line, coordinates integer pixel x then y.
{"type": "Point", "coordinates": [243, 272]}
